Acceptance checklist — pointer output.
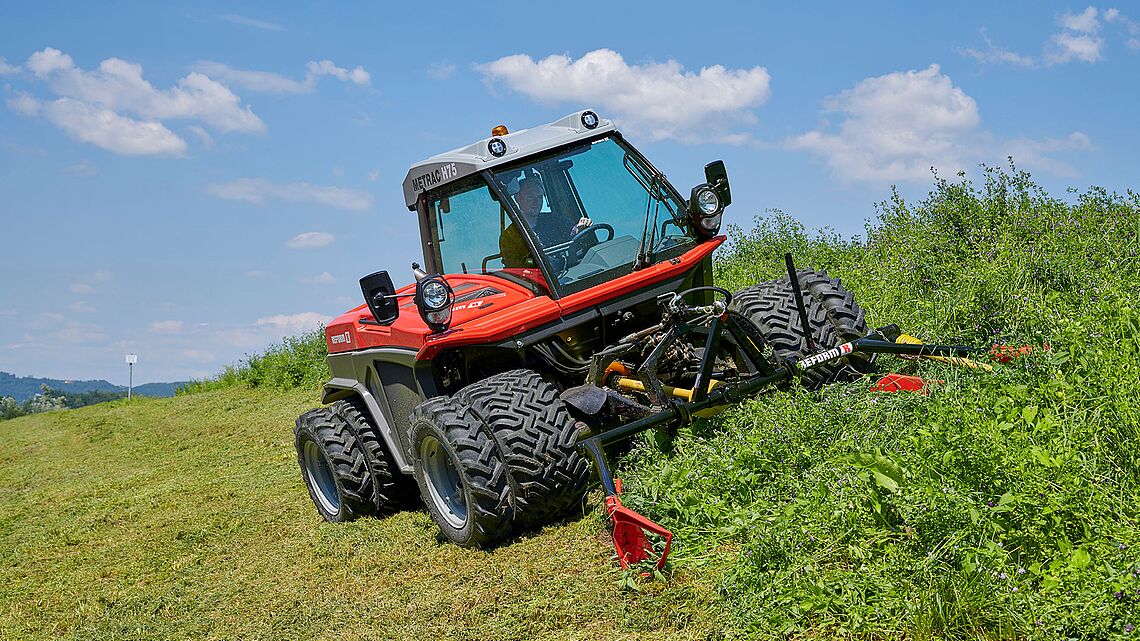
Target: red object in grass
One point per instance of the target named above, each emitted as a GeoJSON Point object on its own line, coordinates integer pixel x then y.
{"type": "Point", "coordinates": [903, 383]}
{"type": "Point", "coordinates": [1006, 353]}
{"type": "Point", "coordinates": [630, 530]}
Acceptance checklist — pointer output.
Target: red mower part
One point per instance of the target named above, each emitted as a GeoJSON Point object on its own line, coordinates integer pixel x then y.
{"type": "Point", "coordinates": [630, 540]}
{"type": "Point", "coordinates": [1006, 353]}
{"type": "Point", "coordinates": [904, 383]}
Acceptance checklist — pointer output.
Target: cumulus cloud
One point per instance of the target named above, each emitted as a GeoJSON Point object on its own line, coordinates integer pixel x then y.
{"type": "Point", "coordinates": [662, 100]}
{"type": "Point", "coordinates": [113, 107]}
{"type": "Point", "coordinates": [7, 69]}
{"type": "Point", "coordinates": [104, 128]}
{"type": "Point", "coordinates": [258, 190]}
{"type": "Point", "coordinates": [897, 126]}
{"type": "Point", "coordinates": [166, 327]}
{"type": "Point", "coordinates": [310, 239]}
{"type": "Point", "coordinates": [118, 85]}
{"type": "Point", "coordinates": [264, 25]}
{"type": "Point", "coordinates": [294, 323]}
{"type": "Point", "coordinates": [270, 82]}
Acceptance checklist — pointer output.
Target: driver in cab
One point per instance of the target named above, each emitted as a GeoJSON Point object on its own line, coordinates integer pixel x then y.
{"type": "Point", "coordinates": [549, 227]}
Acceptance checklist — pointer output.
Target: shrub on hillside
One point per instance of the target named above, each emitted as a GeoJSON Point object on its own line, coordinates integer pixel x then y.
{"type": "Point", "coordinates": [295, 362]}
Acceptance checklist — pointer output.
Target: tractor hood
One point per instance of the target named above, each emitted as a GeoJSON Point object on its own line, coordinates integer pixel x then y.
{"type": "Point", "coordinates": [490, 309]}
{"type": "Point", "coordinates": [475, 296]}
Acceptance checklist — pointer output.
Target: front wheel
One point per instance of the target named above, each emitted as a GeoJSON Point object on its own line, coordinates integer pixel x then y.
{"type": "Point", "coordinates": [460, 473]}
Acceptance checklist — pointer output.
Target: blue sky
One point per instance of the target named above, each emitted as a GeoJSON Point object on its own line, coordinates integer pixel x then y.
{"type": "Point", "coordinates": [192, 181]}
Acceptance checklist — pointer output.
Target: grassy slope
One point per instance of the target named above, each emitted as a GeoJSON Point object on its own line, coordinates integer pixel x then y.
{"type": "Point", "coordinates": [186, 518]}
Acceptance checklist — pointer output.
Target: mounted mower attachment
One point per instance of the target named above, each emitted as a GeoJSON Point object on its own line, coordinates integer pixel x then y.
{"type": "Point", "coordinates": [612, 378]}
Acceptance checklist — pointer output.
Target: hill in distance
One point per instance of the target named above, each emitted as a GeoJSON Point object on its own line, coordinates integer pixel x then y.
{"type": "Point", "coordinates": [22, 388]}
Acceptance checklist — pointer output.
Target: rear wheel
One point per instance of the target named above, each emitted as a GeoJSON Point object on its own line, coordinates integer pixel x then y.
{"type": "Point", "coordinates": [393, 489]}
{"type": "Point", "coordinates": [539, 441]}
{"type": "Point", "coordinates": [461, 474]}
{"type": "Point", "coordinates": [833, 315]}
{"type": "Point", "coordinates": [333, 466]}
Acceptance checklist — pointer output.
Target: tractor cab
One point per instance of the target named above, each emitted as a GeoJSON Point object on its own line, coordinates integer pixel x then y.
{"type": "Point", "coordinates": [558, 208]}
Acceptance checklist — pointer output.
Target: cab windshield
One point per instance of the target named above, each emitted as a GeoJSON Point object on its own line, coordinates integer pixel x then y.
{"type": "Point", "coordinates": [588, 214]}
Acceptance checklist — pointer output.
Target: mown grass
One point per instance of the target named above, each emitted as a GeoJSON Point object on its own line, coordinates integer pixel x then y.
{"type": "Point", "coordinates": [1000, 506]}
{"type": "Point", "coordinates": [186, 518]}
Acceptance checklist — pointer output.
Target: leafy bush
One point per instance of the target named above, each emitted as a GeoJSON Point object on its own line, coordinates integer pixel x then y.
{"type": "Point", "coordinates": [999, 506]}
{"type": "Point", "coordinates": [297, 361]}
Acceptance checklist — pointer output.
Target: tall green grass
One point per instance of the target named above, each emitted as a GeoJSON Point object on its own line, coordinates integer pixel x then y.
{"type": "Point", "coordinates": [999, 506]}
{"type": "Point", "coordinates": [295, 362]}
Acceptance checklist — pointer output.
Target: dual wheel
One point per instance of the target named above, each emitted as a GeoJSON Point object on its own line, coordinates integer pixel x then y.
{"type": "Point", "coordinates": [499, 455]}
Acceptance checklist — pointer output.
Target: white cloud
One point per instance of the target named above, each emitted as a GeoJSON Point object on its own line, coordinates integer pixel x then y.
{"type": "Point", "coordinates": [1133, 44]}
{"type": "Point", "coordinates": [81, 288]}
{"type": "Point", "coordinates": [104, 128]}
{"type": "Point", "coordinates": [202, 135]}
{"type": "Point", "coordinates": [1067, 47]}
{"type": "Point", "coordinates": [323, 278]}
{"type": "Point", "coordinates": [118, 85]}
{"type": "Point", "coordinates": [311, 239]}
{"type": "Point", "coordinates": [256, 273]}
{"type": "Point", "coordinates": [661, 99]}
{"type": "Point", "coordinates": [897, 126]}
{"type": "Point", "coordinates": [441, 70]}
{"type": "Point", "coordinates": [251, 22]}
{"type": "Point", "coordinates": [166, 327]}
{"type": "Point", "coordinates": [77, 333]}
{"type": "Point", "coordinates": [1083, 22]}
{"type": "Point", "coordinates": [7, 69]}
{"type": "Point", "coordinates": [1077, 39]}
{"type": "Point", "coordinates": [373, 175]}
{"type": "Point", "coordinates": [294, 323]}
{"type": "Point", "coordinates": [994, 54]}
{"type": "Point", "coordinates": [258, 190]}
{"type": "Point", "coordinates": [270, 82]}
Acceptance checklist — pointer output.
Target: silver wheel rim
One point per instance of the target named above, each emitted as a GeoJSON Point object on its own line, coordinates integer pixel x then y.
{"type": "Point", "coordinates": [444, 484]}
{"type": "Point", "coordinates": [321, 478]}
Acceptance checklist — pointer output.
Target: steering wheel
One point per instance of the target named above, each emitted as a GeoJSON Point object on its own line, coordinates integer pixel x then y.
{"type": "Point", "coordinates": [581, 243]}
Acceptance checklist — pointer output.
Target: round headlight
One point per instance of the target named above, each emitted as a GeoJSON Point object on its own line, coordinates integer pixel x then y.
{"type": "Point", "coordinates": [708, 201]}
{"type": "Point", "coordinates": [435, 295]}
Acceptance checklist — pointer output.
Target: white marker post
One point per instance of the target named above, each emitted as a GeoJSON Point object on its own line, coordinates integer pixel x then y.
{"type": "Point", "coordinates": [131, 360]}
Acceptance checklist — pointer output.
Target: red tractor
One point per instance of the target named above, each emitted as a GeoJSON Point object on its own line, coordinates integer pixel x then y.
{"type": "Point", "coordinates": [566, 303]}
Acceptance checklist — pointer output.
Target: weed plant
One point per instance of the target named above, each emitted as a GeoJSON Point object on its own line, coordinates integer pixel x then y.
{"type": "Point", "coordinates": [999, 506]}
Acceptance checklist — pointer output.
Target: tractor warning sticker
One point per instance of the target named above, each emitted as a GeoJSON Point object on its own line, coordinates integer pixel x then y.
{"type": "Point", "coordinates": [345, 338]}
{"type": "Point", "coordinates": [831, 354]}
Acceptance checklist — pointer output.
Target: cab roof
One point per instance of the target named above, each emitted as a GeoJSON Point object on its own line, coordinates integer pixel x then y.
{"type": "Point", "coordinates": [488, 152]}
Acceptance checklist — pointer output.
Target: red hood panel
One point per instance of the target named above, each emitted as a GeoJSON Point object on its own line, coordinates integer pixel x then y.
{"type": "Point", "coordinates": [480, 316]}
{"type": "Point", "coordinates": [475, 296]}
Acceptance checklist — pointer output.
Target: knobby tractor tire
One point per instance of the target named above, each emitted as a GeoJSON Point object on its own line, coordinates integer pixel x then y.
{"type": "Point", "coordinates": [333, 466]}
{"type": "Point", "coordinates": [538, 439]}
{"type": "Point", "coordinates": [393, 490]}
{"type": "Point", "coordinates": [833, 315]}
{"type": "Point", "coordinates": [450, 442]}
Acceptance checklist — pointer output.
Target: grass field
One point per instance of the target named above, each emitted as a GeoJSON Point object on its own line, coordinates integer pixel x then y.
{"type": "Point", "coordinates": [186, 518]}
{"type": "Point", "coordinates": [1003, 506]}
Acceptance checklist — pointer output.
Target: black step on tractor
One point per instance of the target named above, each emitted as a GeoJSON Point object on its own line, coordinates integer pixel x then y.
{"type": "Point", "coordinates": [566, 303]}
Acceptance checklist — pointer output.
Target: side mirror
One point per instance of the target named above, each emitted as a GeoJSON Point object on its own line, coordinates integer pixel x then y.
{"type": "Point", "coordinates": [717, 177]}
{"type": "Point", "coordinates": [377, 289]}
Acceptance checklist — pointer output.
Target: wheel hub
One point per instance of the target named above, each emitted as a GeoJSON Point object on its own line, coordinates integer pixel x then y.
{"type": "Point", "coordinates": [444, 483]}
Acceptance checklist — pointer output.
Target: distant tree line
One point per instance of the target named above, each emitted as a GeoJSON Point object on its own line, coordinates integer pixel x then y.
{"type": "Point", "coordinates": [49, 400]}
